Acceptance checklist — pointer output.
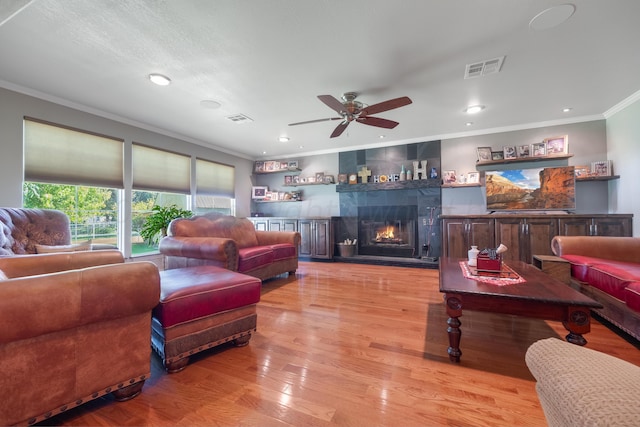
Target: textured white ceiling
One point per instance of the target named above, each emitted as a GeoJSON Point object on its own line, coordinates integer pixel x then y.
{"type": "Point", "coordinates": [270, 59]}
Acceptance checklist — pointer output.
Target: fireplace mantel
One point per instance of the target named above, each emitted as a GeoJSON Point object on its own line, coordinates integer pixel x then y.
{"type": "Point", "coordinates": [395, 185]}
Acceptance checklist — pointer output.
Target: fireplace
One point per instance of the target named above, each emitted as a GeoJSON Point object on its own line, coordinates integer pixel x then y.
{"type": "Point", "coordinates": [388, 231]}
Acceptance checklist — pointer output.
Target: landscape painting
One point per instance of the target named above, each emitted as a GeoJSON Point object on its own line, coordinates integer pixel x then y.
{"type": "Point", "coordinates": [531, 189]}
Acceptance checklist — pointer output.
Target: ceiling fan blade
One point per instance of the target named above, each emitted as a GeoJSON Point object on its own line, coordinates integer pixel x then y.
{"type": "Point", "coordinates": [378, 122]}
{"type": "Point", "coordinates": [339, 129]}
{"type": "Point", "coordinates": [315, 121]}
{"type": "Point", "coordinates": [332, 103]}
{"type": "Point", "coordinates": [386, 106]}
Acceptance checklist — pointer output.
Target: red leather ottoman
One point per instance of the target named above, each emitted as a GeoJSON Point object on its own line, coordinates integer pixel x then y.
{"type": "Point", "coordinates": [201, 307]}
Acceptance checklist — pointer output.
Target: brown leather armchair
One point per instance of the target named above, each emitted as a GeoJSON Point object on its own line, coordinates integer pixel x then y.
{"type": "Point", "coordinates": [74, 326]}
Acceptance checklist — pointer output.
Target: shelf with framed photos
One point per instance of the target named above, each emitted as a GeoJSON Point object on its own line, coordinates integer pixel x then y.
{"type": "Point", "coordinates": [320, 178]}
{"type": "Point", "coordinates": [597, 178]}
{"type": "Point", "coordinates": [523, 160]}
{"type": "Point", "coordinates": [555, 148]}
{"type": "Point", "coordinates": [275, 166]}
{"type": "Point", "coordinates": [474, 184]}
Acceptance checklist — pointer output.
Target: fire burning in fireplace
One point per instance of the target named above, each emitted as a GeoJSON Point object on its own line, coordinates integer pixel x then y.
{"type": "Point", "coordinates": [386, 235]}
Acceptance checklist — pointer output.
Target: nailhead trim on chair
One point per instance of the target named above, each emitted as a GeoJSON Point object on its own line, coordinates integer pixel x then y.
{"type": "Point", "coordinates": [78, 402]}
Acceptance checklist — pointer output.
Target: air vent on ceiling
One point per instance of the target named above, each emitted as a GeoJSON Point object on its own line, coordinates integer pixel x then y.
{"type": "Point", "coordinates": [477, 69]}
{"type": "Point", "coordinates": [239, 119]}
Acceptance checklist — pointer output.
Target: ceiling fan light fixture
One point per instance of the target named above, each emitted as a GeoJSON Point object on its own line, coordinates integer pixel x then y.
{"type": "Point", "coordinates": [474, 109]}
{"type": "Point", "coordinates": [159, 79]}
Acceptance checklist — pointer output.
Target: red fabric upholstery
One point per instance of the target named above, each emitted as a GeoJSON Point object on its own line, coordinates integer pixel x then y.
{"type": "Point", "coordinates": [632, 295]}
{"type": "Point", "coordinates": [613, 277]}
{"type": "Point", "coordinates": [254, 257]}
{"type": "Point", "coordinates": [283, 251]}
{"type": "Point", "coordinates": [195, 292]}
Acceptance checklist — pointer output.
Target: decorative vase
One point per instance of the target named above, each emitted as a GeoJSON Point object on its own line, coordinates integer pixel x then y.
{"type": "Point", "coordinates": [403, 174]}
{"type": "Point", "coordinates": [473, 256]}
{"type": "Point", "coordinates": [409, 175]}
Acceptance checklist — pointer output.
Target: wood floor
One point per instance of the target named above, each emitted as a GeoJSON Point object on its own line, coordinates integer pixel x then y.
{"type": "Point", "coordinates": [352, 345]}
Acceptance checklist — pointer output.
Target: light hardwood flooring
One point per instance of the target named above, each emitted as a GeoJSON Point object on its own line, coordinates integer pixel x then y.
{"type": "Point", "coordinates": [352, 345]}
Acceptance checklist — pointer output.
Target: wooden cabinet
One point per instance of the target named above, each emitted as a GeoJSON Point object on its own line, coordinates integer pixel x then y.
{"type": "Point", "coordinates": [601, 225]}
{"type": "Point", "coordinates": [316, 238]}
{"type": "Point", "coordinates": [526, 237]}
{"type": "Point", "coordinates": [459, 234]}
{"type": "Point", "coordinates": [284, 224]}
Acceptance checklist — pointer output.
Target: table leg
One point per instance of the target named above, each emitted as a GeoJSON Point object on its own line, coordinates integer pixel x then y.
{"type": "Point", "coordinates": [454, 311]}
{"type": "Point", "coordinates": [578, 322]}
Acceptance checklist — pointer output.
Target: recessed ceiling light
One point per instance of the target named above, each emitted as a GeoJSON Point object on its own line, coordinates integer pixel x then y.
{"type": "Point", "coordinates": [159, 79]}
{"type": "Point", "coordinates": [566, 110]}
{"type": "Point", "coordinates": [473, 109]}
{"type": "Point", "coordinates": [552, 17]}
{"type": "Point", "coordinates": [468, 123]}
{"type": "Point", "coordinates": [382, 136]}
{"type": "Point", "coordinates": [301, 146]}
{"type": "Point", "coordinates": [264, 152]}
{"type": "Point", "coordinates": [283, 139]}
{"type": "Point", "coordinates": [210, 104]}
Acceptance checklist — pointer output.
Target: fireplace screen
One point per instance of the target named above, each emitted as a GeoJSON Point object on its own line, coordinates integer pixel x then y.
{"type": "Point", "coordinates": [387, 231]}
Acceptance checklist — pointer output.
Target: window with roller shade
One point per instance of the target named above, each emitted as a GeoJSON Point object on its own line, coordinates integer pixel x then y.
{"type": "Point", "coordinates": [215, 188]}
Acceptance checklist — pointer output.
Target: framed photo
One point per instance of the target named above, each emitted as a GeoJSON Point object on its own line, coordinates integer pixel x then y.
{"type": "Point", "coordinates": [473, 177]}
{"type": "Point", "coordinates": [258, 166]}
{"type": "Point", "coordinates": [269, 195]}
{"type": "Point", "coordinates": [292, 165]}
{"type": "Point", "coordinates": [311, 180]}
{"type": "Point", "coordinates": [342, 178]}
{"type": "Point", "coordinates": [259, 192]}
{"type": "Point", "coordinates": [497, 155]}
{"type": "Point", "coordinates": [296, 179]}
{"type": "Point", "coordinates": [509, 152]}
{"type": "Point", "coordinates": [449, 177]}
{"type": "Point", "coordinates": [269, 165]}
{"type": "Point", "coordinates": [328, 179]}
{"type": "Point", "coordinates": [539, 149]}
{"type": "Point", "coordinates": [601, 168]}
{"type": "Point", "coordinates": [557, 145]}
{"type": "Point", "coordinates": [582, 171]}
{"type": "Point", "coordinates": [288, 179]}
{"type": "Point", "coordinates": [319, 176]}
{"type": "Point", "coordinates": [484, 154]}
{"type": "Point", "coordinates": [524, 150]}
{"type": "Point", "coordinates": [284, 166]}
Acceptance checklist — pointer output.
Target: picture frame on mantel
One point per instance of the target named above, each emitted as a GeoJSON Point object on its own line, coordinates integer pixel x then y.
{"type": "Point", "coordinates": [484, 154]}
{"type": "Point", "coordinates": [557, 145]}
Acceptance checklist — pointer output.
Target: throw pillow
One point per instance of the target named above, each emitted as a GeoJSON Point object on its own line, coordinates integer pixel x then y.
{"type": "Point", "coordinates": [75, 247]}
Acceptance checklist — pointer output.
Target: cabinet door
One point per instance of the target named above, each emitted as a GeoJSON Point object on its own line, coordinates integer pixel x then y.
{"type": "Point", "coordinates": [260, 224]}
{"type": "Point", "coordinates": [481, 233]}
{"type": "Point", "coordinates": [289, 225]}
{"type": "Point", "coordinates": [509, 232]}
{"type": "Point", "coordinates": [539, 232]}
{"type": "Point", "coordinates": [323, 247]}
{"type": "Point", "coordinates": [612, 226]}
{"type": "Point", "coordinates": [305, 227]}
{"type": "Point", "coordinates": [275, 225]}
{"type": "Point", "coordinates": [454, 238]}
{"type": "Point", "coordinates": [574, 226]}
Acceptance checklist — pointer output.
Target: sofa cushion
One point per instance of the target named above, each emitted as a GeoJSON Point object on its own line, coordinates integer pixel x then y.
{"type": "Point", "coordinates": [580, 265]}
{"type": "Point", "coordinates": [255, 257]}
{"type": "Point", "coordinates": [283, 251]}
{"type": "Point", "coordinates": [192, 293]}
{"type": "Point", "coordinates": [632, 295]}
{"type": "Point", "coordinates": [241, 230]}
{"type": "Point", "coordinates": [74, 247]}
{"type": "Point", "coordinates": [613, 277]}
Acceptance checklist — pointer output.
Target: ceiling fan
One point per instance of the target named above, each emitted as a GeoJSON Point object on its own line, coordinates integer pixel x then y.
{"type": "Point", "coordinates": [351, 110]}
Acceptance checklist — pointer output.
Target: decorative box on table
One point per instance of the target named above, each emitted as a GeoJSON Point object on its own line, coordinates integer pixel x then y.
{"type": "Point", "coordinates": [489, 260]}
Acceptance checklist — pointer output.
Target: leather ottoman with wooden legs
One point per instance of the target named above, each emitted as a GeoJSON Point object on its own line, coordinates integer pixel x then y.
{"type": "Point", "coordinates": [202, 307]}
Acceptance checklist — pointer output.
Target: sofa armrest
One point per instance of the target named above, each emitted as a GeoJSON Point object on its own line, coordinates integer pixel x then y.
{"type": "Point", "coordinates": [34, 264]}
{"type": "Point", "coordinates": [266, 238]}
{"type": "Point", "coordinates": [222, 250]}
{"type": "Point", "coordinates": [626, 249]}
{"type": "Point", "coordinates": [38, 305]}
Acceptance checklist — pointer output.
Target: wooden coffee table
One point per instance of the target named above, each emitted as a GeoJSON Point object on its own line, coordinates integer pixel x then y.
{"type": "Point", "coordinates": [541, 296]}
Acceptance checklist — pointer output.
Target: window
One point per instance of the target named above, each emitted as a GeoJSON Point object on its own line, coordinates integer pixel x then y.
{"type": "Point", "coordinates": [160, 178]}
{"type": "Point", "coordinates": [77, 172]}
{"type": "Point", "coordinates": [215, 188]}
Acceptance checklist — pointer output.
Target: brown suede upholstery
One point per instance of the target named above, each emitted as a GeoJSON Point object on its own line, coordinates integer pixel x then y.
{"type": "Point", "coordinates": [68, 337]}
{"type": "Point", "coordinates": [232, 243]}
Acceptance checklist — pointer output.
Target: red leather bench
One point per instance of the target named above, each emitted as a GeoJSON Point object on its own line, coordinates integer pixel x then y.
{"type": "Point", "coordinates": [202, 307]}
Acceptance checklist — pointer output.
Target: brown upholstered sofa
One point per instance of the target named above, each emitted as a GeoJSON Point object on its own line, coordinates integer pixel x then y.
{"type": "Point", "coordinates": [606, 269]}
{"type": "Point", "coordinates": [232, 243]}
{"type": "Point", "coordinates": [74, 326]}
{"type": "Point", "coordinates": [30, 231]}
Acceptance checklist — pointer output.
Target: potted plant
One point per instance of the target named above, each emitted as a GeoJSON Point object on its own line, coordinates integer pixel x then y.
{"type": "Point", "coordinates": [156, 224]}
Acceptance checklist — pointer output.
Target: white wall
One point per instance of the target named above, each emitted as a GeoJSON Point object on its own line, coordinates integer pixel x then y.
{"type": "Point", "coordinates": [15, 106]}
{"type": "Point", "coordinates": [623, 147]}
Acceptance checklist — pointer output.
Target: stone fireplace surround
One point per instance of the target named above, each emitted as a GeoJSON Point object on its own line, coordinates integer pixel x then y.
{"type": "Point", "coordinates": [425, 195]}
